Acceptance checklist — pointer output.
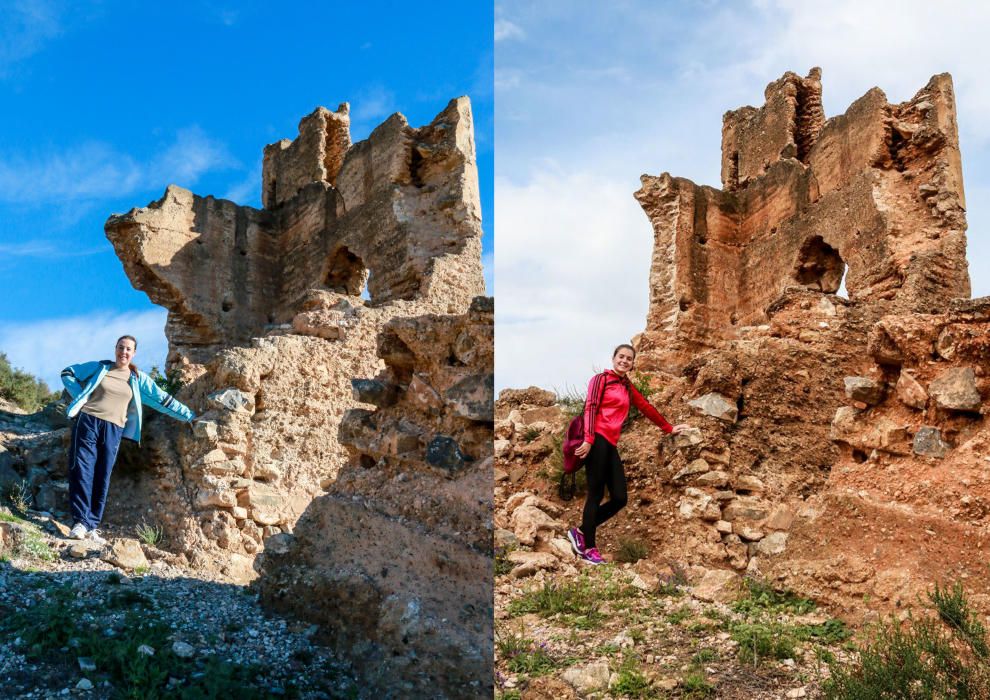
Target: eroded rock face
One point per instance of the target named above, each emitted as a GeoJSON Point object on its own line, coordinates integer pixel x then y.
{"type": "Point", "coordinates": [273, 312]}
{"type": "Point", "coordinates": [395, 560]}
{"type": "Point", "coordinates": [875, 194]}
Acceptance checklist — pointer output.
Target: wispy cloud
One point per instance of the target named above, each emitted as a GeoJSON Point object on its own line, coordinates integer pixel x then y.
{"type": "Point", "coordinates": [193, 154]}
{"type": "Point", "coordinates": [504, 29]}
{"type": "Point", "coordinates": [26, 26]}
{"type": "Point", "coordinates": [47, 249]}
{"type": "Point", "coordinates": [94, 170]}
{"type": "Point", "coordinates": [45, 347]}
{"type": "Point", "coordinates": [248, 190]}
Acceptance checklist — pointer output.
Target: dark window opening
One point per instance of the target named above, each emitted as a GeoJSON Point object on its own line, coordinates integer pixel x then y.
{"type": "Point", "coordinates": [346, 273]}
{"type": "Point", "coordinates": [819, 266]}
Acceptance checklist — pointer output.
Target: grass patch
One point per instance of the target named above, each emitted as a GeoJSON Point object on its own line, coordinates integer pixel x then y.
{"type": "Point", "coordinates": [679, 615]}
{"type": "Point", "coordinates": [760, 598]}
{"type": "Point", "coordinates": [704, 656]}
{"type": "Point", "coordinates": [58, 621]}
{"type": "Point", "coordinates": [530, 434]}
{"type": "Point", "coordinates": [944, 655]}
{"type": "Point", "coordinates": [522, 655]}
{"type": "Point", "coordinates": [760, 641]}
{"type": "Point", "coordinates": [631, 550]}
{"type": "Point", "coordinates": [630, 681]}
{"type": "Point", "coordinates": [151, 535]}
{"type": "Point", "coordinates": [695, 685]}
{"type": "Point", "coordinates": [577, 602]}
{"type": "Point", "coordinates": [502, 563]}
{"type": "Point", "coordinates": [31, 543]}
{"type": "Point", "coordinates": [19, 496]}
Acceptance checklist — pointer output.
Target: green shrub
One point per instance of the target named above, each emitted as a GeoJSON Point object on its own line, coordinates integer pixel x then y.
{"type": "Point", "coordinates": [759, 641]}
{"type": "Point", "coordinates": [942, 656]}
{"type": "Point", "coordinates": [530, 434]}
{"type": "Point", "coordinates": [169, 381]}
{"type": "Point", "coordinates": [631, 550]}
{"type": "Point", "coordinates": [23, 389]}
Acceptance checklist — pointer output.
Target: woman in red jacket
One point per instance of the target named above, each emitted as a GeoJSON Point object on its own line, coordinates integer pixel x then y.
{"type": "Point", "coordinates": [609, 396]}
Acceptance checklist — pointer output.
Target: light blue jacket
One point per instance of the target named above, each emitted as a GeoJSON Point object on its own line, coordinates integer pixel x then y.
{"type": "Point", "coordinates": [80, 381]}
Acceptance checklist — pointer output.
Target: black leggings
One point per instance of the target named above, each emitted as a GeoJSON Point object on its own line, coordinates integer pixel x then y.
{"type": "Point", "coordinates": [604, 468]}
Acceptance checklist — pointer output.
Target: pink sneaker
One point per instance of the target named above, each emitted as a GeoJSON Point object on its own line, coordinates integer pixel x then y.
{"type": "Point", "coordinates": [577, 540]}
{"type": "Point", "coordinates": [592, 556]}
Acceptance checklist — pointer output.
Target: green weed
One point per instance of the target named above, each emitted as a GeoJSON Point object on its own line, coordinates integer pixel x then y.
{"type": "Point", "coordinates": [631, 550]}
{"type": "Point", "coordinates": [151, 535]}
{"type": "Point", "coordinates": [630, 681]}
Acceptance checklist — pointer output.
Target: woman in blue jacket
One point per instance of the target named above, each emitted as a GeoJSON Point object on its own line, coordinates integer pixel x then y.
{"type": "Point", "coordinates": [108, 397]}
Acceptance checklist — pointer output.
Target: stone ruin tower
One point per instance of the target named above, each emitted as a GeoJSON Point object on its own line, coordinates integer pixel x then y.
{"type": "Point", "coordinates": [874, 195]}
{"type": "Point", "coordinates": [843, 439]}
{"type": "Point", "coordinates": [266, 318]}
{"type": "Point", "coordinates": [364, 261]}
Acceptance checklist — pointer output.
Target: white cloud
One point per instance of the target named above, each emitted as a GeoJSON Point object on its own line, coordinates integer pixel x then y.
{"type": "Point", "coordinates": [45, 347]}
{"type": "Point", "coordinates": [45, 249]}
{"type": "Point", "coordinates": [571, 258]}
{"type": "Point", "coordinates": [504, 29]}
{"type": "Point", "coordinates": [94, 170]}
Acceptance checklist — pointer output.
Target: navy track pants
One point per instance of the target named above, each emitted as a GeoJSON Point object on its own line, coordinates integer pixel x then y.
{"type": "Point", "coordinates": [91, 456]}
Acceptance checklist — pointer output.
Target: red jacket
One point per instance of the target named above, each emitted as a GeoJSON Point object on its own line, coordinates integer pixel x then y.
{"type": "Point", "coordinates": [605, 412]}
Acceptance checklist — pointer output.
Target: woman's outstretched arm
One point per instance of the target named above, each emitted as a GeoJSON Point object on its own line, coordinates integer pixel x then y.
{"type": "Point", "coordinates": [161, 400]}
{"type": "Point", "coordinates": [647, 409]}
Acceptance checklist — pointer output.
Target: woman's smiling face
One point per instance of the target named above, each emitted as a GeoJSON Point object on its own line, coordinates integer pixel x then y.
{"type": "Point", "coordinates": [124, 351]}
{"type": "Point", "coordinates": [622, 360]}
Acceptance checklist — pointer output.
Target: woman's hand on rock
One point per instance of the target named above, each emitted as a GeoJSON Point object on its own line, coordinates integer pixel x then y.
{"type": "Point", "coordinates": [680, 427]}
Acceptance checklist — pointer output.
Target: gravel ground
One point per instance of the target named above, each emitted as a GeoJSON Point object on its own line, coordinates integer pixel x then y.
{"type": "Point", "coordinates": [215, 619]}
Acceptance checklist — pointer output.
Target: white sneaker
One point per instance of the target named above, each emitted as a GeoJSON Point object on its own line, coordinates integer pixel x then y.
{"type": "Point", "coordinates": [78, 531]}
{"type": "Point", "coordinates": [94, 536]}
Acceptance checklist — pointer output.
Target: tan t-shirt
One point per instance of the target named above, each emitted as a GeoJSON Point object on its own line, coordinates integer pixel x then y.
{"type": "Point", "coordinates": [110, 399]}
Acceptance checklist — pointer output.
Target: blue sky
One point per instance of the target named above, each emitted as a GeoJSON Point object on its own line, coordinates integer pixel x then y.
{"type": "Point", "coordinates": [103, 104]}
{"type": "Point", "coordinates": [589, 96]}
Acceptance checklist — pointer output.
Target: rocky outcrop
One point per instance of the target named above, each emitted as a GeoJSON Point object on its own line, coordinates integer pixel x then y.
{"type": "Point", "coordinates": [395, 560]}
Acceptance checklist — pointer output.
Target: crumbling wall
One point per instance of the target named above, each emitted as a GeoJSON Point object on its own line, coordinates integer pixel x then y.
{"type": "Point", "coordinates": [273, 312]}
{"type": "Point", "coordinates": [396, 558]}
{"type": "Point", "coordinates": [874, 194]}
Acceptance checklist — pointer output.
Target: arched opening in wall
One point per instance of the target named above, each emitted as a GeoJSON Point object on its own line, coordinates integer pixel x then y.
{"type": "Point", "coordinates": [842, 291]}
{"type": "Point", "coordinates": [346, 273]}
{"type": "Point", "coordinates": [365, 290]}
{"type": "Point", "coordinates": [819, 266]}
